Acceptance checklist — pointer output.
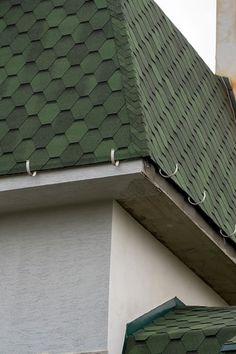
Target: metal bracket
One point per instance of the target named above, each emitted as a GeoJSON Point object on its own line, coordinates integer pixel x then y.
{"type": "Point", "coordinates": [228, 236]}
{"type": "Point", "coordinates": [27, 165]}
{"type": "Point", "coordinates": [200, 202]}
{"type": "Point", "coordinates": [171, 174]}
{"type": "Point", "coordinates": [113, 161]}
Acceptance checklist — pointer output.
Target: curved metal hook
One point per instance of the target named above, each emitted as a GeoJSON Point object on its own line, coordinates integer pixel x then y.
{"type": "Point", "coordinates": [200, 202]}
{"type": "Point", "coordinates": [113, 161]}
{"type": "Point", "coordinates": [27, 165]}
{"type": "Point", "coordinates": [228, 236]}
{"type": "Point", "coordinates": [171, 174]}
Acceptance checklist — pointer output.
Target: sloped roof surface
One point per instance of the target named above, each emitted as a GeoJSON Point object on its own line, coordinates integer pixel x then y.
{"type": "Point", "coordinates": [62, 100]}
{"type": "Point", "coordinates": [186, 110]}
{"type": "Point", "coordinates": [195, 330]}
{"type": "Point", "coordinates": [79, 77]}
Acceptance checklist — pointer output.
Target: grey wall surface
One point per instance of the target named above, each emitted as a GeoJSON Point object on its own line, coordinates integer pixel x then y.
{"type": "Point", "coordinates": [54, 279]}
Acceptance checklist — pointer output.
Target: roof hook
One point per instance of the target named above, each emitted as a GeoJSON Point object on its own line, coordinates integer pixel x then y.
{"type": "Point", "coordinates": [228, 236]}
{"type": "Point", "coordinates": [113, 161]}
{"type": "Point", "coordinates": [171, 174]}
{"type": "Point", "coordinates": [27, 165]}
{"type": "Point", "coordinates": [200, 202]}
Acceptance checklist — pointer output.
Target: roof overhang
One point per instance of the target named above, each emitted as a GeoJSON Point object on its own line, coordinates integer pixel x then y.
{"type": "Point", "coordinates": [152, 200]}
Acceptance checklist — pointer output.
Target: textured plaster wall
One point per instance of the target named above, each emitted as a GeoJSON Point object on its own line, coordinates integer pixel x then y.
{"type": "Point", "coordinates": [144, 274]}
{"type": "Point", "coordinates": [55, 269]}
{"type": "Point", "coordinates": [54, 275]}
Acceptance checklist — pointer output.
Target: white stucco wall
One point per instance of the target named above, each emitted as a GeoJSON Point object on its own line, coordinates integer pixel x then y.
{"type": "Point", "coordinates": [54, 277]}
{"type": "Point", "coordinates": [72, 277]}
{"type": "Point", "coordinates": [145, 274]}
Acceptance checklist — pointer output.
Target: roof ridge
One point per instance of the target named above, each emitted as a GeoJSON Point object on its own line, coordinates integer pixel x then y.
{"type": "Point", "coordinates": [129, 74]}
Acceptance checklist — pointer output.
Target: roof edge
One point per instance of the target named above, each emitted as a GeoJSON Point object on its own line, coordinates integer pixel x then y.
{"type": "Point", "coordinates": [150, 316]}
{"type": "Point", "coordinates": [157, 312]}
{"type": "Point", "coordinates": [228, 347]}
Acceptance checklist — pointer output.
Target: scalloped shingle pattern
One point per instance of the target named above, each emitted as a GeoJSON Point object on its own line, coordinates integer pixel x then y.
{"type": "Point", "coordinates": [62, 100]}
{"type": "Point", "coordinates": [80, 77]}
{"type": "Point", "coordinates": [192, 330]}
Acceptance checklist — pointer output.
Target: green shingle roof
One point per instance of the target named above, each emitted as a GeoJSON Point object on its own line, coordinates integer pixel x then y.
{"type": "Point", "coordinates": [80, 77]}
{"type": "Point", "coordinates": [182, 330]}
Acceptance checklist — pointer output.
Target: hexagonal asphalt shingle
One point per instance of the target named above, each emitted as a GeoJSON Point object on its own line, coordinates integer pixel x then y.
{"type": "Point", "coordinates": [199, 330]}
{"type": "Point", "coordinates": [55, 62]}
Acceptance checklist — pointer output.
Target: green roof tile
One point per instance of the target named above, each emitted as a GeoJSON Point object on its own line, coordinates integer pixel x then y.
{"type": "Point", "coordinates": [29, 127]}
{"type": "Point", "coordinates": [9, 86]}
{"type": "Point", "coordinates": [24, 150]}
{"type": "Point", "coordinates": [67, 99]}
{"type": "Point", "coordinates": [14, 65]}
{"type": "Point", "coordinates": [59, 67]}
{"type": "Point", "coordinates": [99, 19]}
{"type": "Point", "coordinates": [10, 141]}
{"type": "Point", "coordinates": [45, 59]}
{"type": "Point", "coordinates": [69, 24]}
{"type": "Point", "coordinates": [95, 117]}
{"type": "Point", "coordinates": [33, 51]}
{"type": "Point", "coordinates": [16, 118]}
{"type": "Point", "coordinates": [22, 95]}
{"type": "Point", "coordinates": [57, 145]}
{"type": "Point", "coordinates": [82, 32]}
{"type": "Point", "coordinates": [3, 129]}
{"type": "Point", "coordinates": [25, 22]}
{"type": "Point", "coordinates": [50, 38]}
{"type": "Point", "coordinates": [11, 17]}
{"type": "Point", "coordinates": [35, 104]}
{"type": "Point", "coordinates": [39, 158]}
{"type": "Point", "coordinates": [72, 76]}
{"type": "Point", "coordinates": [120, 71]}
{"type": "Point", "coordinates": [183, 330]}
{"type": "Point", "coordinates": [43, 136]}
{"type": "Point", "coordinates": [77, 54]}
{"type": "Point", "coordinates": [81, 108]}
{"type": "Point", "coordinates": [5, 55]}
{"type": "Point", "coordinates": [38, 29]}
{"type": "Point", "coordinates": [72, 154]}
{"type": "Point", "coordinates": [76, 131]}
{"type": "Point", "coordinates": [27, 73]}
{"type": "Point", "coordinates": [42, 10]}
{"type": "Point", "coordinates": [91, 62]}
{"type": "Point", "coordinates": [95, 40]}
{"type": "Point", "coordinates": [20, 43]}
{"type": "Point", "coordinates": [64, 45]}
{"type": "Point", "coordinates": [41, 81]}
{"type": "Point", "coordinates": [62, 122]}
{"type": "Point", "coordinates": [55, 17]}
{"type": "Point", "coordinates": [48, 113]}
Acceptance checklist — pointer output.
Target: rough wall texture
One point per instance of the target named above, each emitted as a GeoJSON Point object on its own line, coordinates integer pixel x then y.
{"type": "Point", "coordinates": [54, 271]}
{"type": "Point", "coordinates": [145, 274]}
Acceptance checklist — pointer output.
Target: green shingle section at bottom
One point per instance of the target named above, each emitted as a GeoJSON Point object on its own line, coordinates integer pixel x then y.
{"type": "Point", "coordinates": [195, 330]}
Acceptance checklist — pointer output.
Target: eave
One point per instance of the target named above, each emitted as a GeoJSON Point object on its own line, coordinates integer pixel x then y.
{"type": "Point", "coordinates": [153, 201]}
